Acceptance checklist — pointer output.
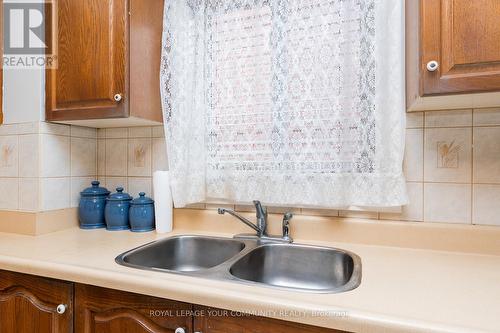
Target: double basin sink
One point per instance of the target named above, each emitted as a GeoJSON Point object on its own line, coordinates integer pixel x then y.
{"type": "Point", "coordinates": [248, 261]}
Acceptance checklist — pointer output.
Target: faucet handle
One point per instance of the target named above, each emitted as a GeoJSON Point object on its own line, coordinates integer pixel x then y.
{"type": "Point", "coordinates": [286, 226]}
{"type": "Point", "coordinates": [260, 210]}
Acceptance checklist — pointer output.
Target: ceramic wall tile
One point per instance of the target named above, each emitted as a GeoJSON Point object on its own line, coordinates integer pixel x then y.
{"type": "Point", "coordinates": [244, 208]}
{"type": "Point", "coordinates": [487, 155]}
{"type": "Point", "coordinates": [486, 205]}
{"type": "Point", "coordinates": [414, 155]}
{"type": "Point", "coordinates": [414, 211]}
{"type": "Point", "coordinates": [414, 119]}
{"type": "Point", "coordinates": [158, 132]}
{"type": "Point", "coordinates": [451, 118]}
{"type": "Point", "coordinates": [111, 183]}
{"type": "Point", "coordinates": [139, 157]}
{"type": "Point", "coordinates": [282, 210]}
{"type": "Point", "coordinates": [29, 155]}
{"type": "Point", "coordinates": [28, 194]}
{"type": "Point", "coordinates": [28, 128]}
{"type": "Point", "coordinates": [160, 160]}
{"type": "Point", "coordinates": [55, 129]}
{"type": "Point", "coordinates": [55, 193]}
{"type": "Point", "coordinates": [487, 117]}
{"type": "Point", "coordinates": [319, 212]}
{"type": "Point", "coordinates": [447, 203]}
{"type": "Point", "coordinates": [448, 155]}
{"type": "Point", "coordinates": [440, 154]}
{"type": "Point", "coordinates": [139, 132]}
{"type": "Point", "coordinates": [214, 206]}
{"type": "Point", "coordinates": [83, 132]}
{"type": "Point", "coordinates": [8, 129]}
{"type": "Point", "coordinates": [196, 206]}
{"type": "Point", "coordinates": [140, 184]}
{"type": "Point", "coordinates": [55, 156]}
{"type": "Point", "coordinates": [358, 214]}
{"type": "Point", "coordinates": [101, 133]}
{"type": "Point", "coordinates": [9, 156]}
{"type": "Point", "coordinates": [83, 157]}
{"type": "Point", "coordinates": [9, 199]}
{"type": "Point", "coordinates": [116, 157]}
{"type": "Point", "coordinates": [78, 184]}
{"type": "Point", "coordinates": [101, 157]}
{"type": "Point", "coordinates": [116, 133]}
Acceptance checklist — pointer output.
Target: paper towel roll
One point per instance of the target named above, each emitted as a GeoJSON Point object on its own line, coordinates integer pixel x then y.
{"type": "Point", "coordinates": [163, 201]}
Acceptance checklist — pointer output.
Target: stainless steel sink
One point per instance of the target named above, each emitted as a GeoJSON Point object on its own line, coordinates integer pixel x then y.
{"type": "Point", "coordinates": [250, 261]}
{"type": "Point", "coordinates": [299, 267]}
{"type": "Point", "coordinates": [182, 253]}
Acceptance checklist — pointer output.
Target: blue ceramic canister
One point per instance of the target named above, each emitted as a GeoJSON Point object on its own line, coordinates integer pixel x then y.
{"type": "Point", "coordinates": [116, 212]}
{"type": "Point", "coordinates": [142, 214]}
{"type": "Point", "coordinates": [91, 207]}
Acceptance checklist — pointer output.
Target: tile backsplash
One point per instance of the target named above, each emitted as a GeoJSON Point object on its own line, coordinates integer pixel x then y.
{"type": "Point", "coordinates": [128, 157]}
{"type": "Point", "coordinates": [43, 165]}
{"type": "Point", "coordinates": [452, 166]}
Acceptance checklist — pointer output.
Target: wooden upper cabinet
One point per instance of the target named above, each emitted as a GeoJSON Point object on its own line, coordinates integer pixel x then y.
{"type": "Point", "coordinates": [92, 60]}
{"type": "Point", "coordinates": [463, 37]}
{"type": "Point", "coordinates": [452, 54]}
{"type": "Point", "coordinates": [30, 304]}
{"type": "Point", "coordinates": [103, 70]}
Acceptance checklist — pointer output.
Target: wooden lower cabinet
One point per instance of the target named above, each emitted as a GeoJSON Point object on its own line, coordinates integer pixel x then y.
{"type": "Point", "coordinates": [29, 304]}
{"type": "Point", "coordinates": [223, 321]}
{"type": "Point", "coordinates": [100, 310]}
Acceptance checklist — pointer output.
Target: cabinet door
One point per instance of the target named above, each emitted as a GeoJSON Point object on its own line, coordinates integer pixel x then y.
{"type": "Point", "coordinates": [92, 39]}
{"type": "Point", "coordinates": [222, 321]}
{"type": "Point", "coordinates": [462, 36]}
{"type": "Point", "coordinates": [29, 304]}
{"type": "Point", "coordinates": [100, 310]}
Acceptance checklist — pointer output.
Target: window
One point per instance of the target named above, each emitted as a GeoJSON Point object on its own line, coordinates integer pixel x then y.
{"type": "Point", "coordinates": [285, 101]}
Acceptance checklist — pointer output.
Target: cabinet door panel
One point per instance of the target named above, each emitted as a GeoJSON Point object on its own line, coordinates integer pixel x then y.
{"type": "Point", "coordinates": [100, 310]}
{"type": "Point", "coordinates": [28, 304]}
{"type": "Point", "coordinates": [92, 57]}
{"type": "Point", "coordinates": [462, 36]}
{"type": "Point", "coordinates": [221, 321]}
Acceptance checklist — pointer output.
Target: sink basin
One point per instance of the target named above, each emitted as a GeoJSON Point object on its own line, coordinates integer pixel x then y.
{"type": "Point", "coordinates": [299, 267]}
{"type": "Point", "coordinates": [182, 253]}
{"type": "Point", "coordinates": [250, 261]}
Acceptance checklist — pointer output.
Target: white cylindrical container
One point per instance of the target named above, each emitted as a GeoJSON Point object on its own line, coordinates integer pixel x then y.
{"type": "Point", "coordinates": [163, 202]}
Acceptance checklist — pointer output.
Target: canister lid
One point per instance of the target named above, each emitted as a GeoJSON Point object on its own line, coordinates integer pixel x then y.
{"type": "Point", "coordinates": [95, 190]}
{"type": "Point", "coordinates": [142, 200]}
{"type": "Point", "coordinates": [119, 195]}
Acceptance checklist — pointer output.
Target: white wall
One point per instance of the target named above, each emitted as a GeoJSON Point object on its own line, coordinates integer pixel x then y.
{"type": "Point", "coordinates": [24, 94]}
{"type": "Point", "coordinates": [24, 99]}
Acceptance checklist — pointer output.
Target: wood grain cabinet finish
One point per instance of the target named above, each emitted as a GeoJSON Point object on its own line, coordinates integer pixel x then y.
{"type": "Point", "coordinates": [29, 304]}
{"type": "Point", "coordinates": [108, 60]}
{"type": "Point", "coordinates": [100, 310]}
{"type": "Point", "coordinates": [221, 321]}
{"type": "Point", "coordinates": [463, 37]}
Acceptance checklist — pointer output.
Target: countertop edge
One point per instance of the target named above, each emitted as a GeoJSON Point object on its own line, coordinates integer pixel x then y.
{"type": "Point", "coordinates": [357, 321]}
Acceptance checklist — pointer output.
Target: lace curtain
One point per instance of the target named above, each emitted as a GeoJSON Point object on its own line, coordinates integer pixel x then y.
{"type": "Point", "coordinates": [292, 102]}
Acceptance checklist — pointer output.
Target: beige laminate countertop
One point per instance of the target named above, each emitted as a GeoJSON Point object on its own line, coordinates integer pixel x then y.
{"type": "Point", "coordinates": [402, 290]}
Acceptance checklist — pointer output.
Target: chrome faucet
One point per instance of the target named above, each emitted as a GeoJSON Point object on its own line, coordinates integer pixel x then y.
{"type": "Point", "coordinates": [261, 214]}
{"type": "Point", "coordinates": [286, 227]}
{"type": "Point", "coordinates": [261, 226]}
